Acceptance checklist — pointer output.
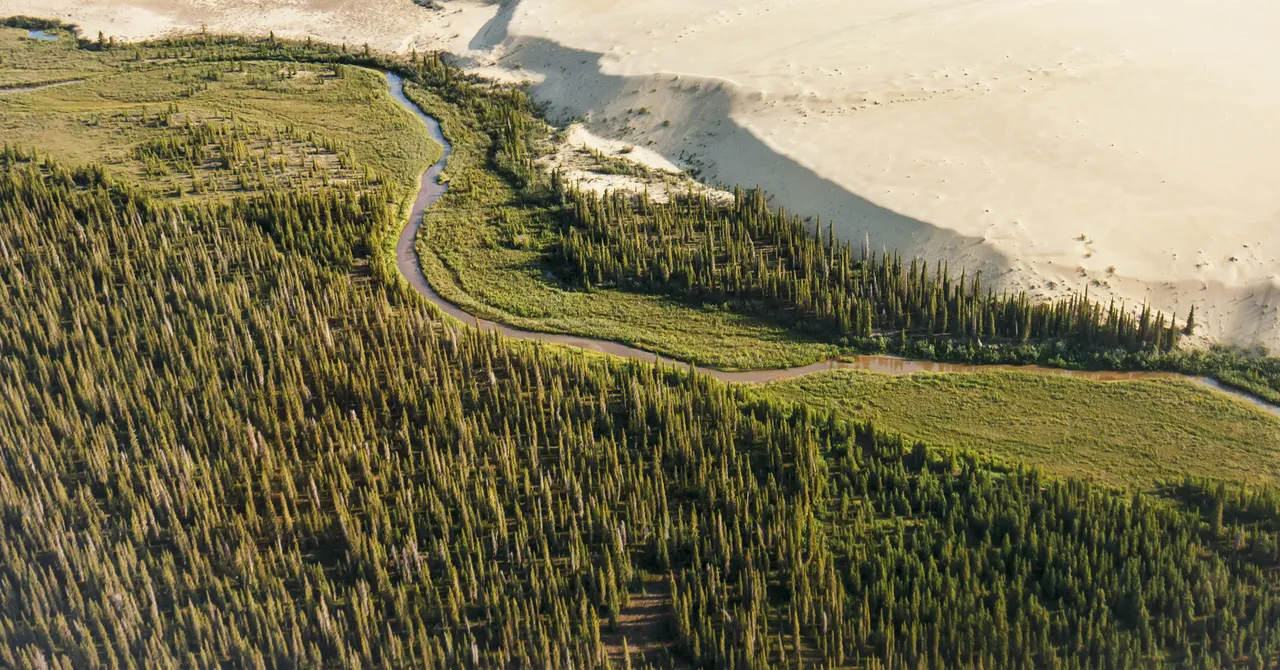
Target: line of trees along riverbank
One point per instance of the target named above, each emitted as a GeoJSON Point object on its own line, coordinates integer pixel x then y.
{"type": "Point", "coordinates": [764, 262]}
{"type": "Point", "coordinates": [762, 258]}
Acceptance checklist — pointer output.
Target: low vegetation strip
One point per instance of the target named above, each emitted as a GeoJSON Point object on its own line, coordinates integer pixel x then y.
{"type": "Point", "coordinates": [209, 129]}
{"type": "Point", "coordinates": [1123, 433]}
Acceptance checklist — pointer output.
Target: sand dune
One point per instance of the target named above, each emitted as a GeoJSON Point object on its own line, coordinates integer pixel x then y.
{"type": "Point", "coordinates": [997, 133]}
{"type": "Point", "coordinates": [1121, 146]}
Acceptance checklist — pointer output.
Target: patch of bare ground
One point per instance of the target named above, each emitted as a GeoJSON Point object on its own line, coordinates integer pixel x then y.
{"type": "Point", "coordinates": [602, 166]}
{"type": "Point", "coordinates": [644, 625]}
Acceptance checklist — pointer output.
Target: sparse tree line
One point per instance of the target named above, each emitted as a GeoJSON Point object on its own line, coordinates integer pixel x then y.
{"type": "Point", "coordinates": [215, 156]}
{"type": "Point", "coordinates": [765, 262]}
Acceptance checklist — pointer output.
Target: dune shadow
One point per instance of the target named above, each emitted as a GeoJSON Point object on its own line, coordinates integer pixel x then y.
{"type": "Point", "coordinates": [703, 137]}
{"type": "Point", "coordinates": [495, 30]}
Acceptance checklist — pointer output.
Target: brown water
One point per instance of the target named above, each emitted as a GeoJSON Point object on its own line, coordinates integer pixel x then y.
{"type": "Point", "coordinates": [430, 190]}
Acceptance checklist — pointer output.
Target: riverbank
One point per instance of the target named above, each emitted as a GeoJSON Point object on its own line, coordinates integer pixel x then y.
{"type": "Point", "coordinates": [1123, 429]}
{"type": "Point", "coordinates": [431, 189]}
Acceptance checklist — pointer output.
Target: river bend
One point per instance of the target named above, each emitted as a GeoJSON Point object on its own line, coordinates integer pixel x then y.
{"type": "Point", "coordinates": [430, 190]}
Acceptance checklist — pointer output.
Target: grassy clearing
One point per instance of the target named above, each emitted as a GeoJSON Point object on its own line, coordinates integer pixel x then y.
{"type": "Point", "coordinates": [482, 247]}
{"type": "Point", "coordinates": [1120, 433]}
{"type": "Point", "coordinates": [145, 113]}
{"type": "Point", "coordinates": [24, 61]}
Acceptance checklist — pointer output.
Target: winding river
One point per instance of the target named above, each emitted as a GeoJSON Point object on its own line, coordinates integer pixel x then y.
{"type": "Point", "coordinates": [430, 190]}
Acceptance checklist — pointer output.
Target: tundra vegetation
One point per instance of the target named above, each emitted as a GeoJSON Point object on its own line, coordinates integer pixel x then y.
{"type": "Point", "coordinates": [232, 435]}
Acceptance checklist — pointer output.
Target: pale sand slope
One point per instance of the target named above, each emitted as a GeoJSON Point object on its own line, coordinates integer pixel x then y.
{"type": "Point", "coordinates": [993, 133]}
{"type": "Point", "coordinates": [385, 25]}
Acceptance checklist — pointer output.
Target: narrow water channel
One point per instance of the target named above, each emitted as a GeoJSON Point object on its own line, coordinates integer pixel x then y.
{"type": "Point", "coordinates": [430, 190]}
{"type": "Point", "coordinates": [44, 37]}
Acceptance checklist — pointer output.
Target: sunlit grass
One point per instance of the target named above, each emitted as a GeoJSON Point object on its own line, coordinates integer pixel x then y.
{"type": "Point", "coordinates": [483, 249]}
{"type": "Point", "coordinates": [105, 118]}
{"type": "Point", "coordinates": [1122, 433]}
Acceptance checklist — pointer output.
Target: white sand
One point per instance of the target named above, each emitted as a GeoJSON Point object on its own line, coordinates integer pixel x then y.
{"type": "Point", "coordinates": [993, 133]}
{"type": "Point", "coordinates": [385, 25]}
{"type": "Point", "coordinates": [576, 160]}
